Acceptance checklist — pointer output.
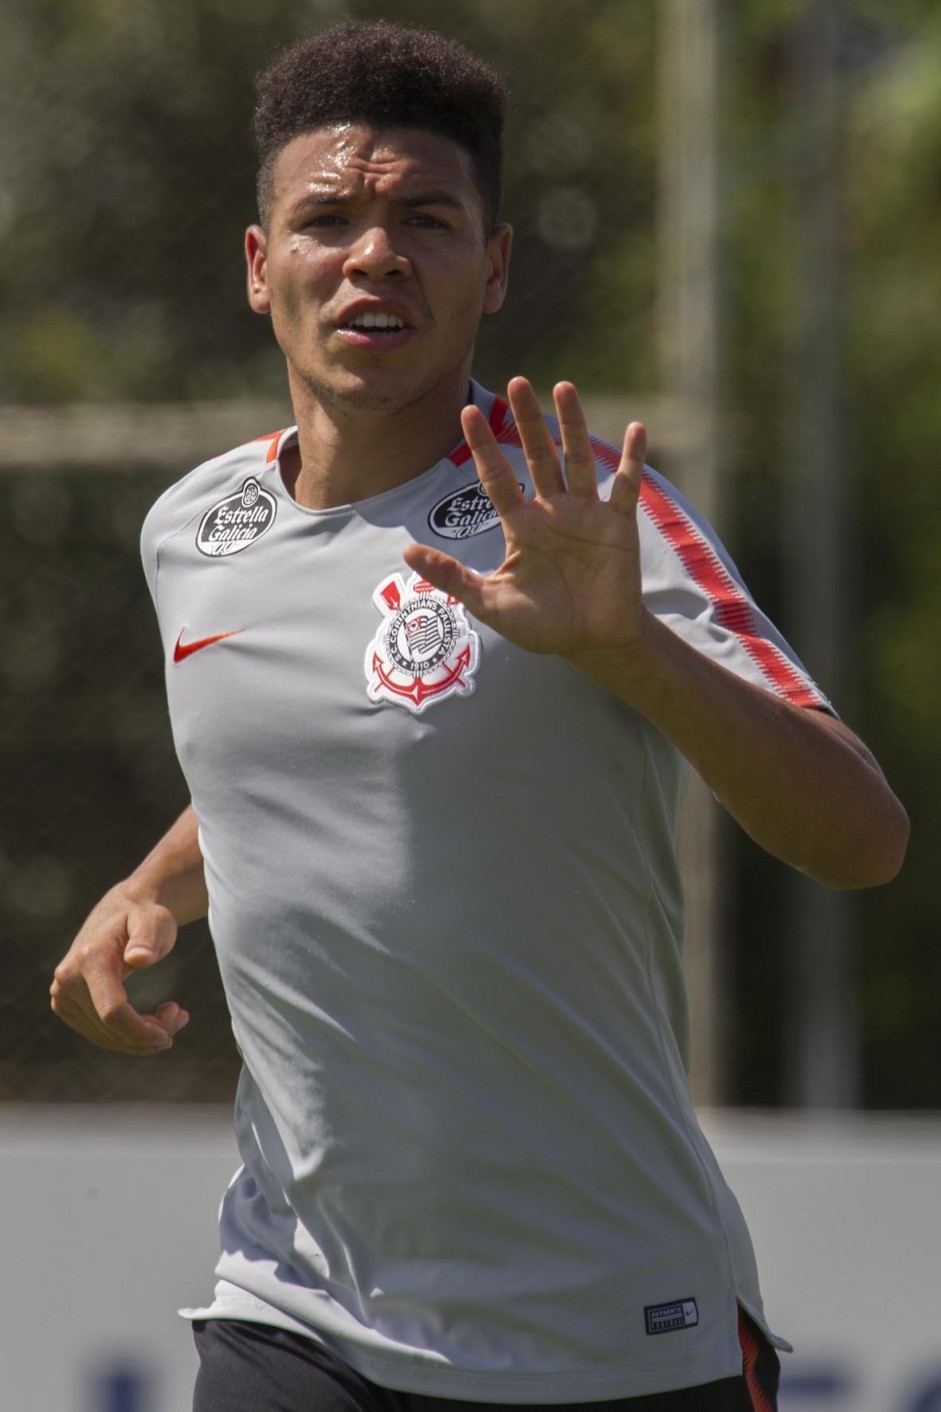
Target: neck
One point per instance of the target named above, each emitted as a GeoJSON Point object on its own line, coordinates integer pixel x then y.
{"type": "Point", "coordinates": [348, 452]}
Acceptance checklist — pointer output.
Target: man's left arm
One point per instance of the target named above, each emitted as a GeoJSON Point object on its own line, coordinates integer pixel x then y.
{"type": "Point", "coordinates": [800, 783]}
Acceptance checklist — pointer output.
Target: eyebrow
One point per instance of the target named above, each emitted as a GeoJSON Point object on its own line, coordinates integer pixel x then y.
{"type": "Point", "coordinates": [326, 196]}
{"type": "Point", "coordinates": [432, 198]}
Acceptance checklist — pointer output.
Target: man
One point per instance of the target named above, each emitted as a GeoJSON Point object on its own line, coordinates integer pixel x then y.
{"type": "Point", "coordinates": [433, 725]}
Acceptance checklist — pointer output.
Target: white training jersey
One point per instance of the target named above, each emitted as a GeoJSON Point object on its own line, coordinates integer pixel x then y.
{"type": "Point", "coordinates": [443, 891]}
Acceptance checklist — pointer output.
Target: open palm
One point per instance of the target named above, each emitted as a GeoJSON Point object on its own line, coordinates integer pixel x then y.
{"type": "Point", "coordinates": [570, 582]}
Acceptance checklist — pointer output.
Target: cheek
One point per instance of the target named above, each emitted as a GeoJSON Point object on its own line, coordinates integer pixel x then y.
{"type": "Point", "coordinates": [465, 294]}
{"type": "Point", "coordinates": [293, 288]}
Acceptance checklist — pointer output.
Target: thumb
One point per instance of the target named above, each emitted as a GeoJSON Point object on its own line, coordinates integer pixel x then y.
{"type": "Point", "coordinates": [151, 932]}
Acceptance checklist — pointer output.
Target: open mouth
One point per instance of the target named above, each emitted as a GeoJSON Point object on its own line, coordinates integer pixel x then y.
{"type": "Point", "coordinates": [377, 323]}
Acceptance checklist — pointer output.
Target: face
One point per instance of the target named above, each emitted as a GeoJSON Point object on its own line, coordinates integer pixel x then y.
{"type": "Point", "coordinates": [375, 266]}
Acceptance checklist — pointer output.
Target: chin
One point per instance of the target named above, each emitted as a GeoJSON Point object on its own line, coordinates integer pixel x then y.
{"type": "Point", "coordinates": [369, 394]}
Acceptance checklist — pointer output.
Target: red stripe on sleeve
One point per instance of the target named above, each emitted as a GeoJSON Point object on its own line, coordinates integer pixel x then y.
{"type": "Point", "coordinates": [733, 610]}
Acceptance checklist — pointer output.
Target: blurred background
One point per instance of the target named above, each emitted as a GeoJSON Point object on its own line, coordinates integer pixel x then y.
{"type": "Point", "coordinates": [728, 224]}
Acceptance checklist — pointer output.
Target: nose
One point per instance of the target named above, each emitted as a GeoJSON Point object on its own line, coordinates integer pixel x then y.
{"type": "Point", "coordinates": [374, 255]}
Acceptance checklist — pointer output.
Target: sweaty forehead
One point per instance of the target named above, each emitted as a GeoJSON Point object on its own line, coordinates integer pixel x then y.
{"type": "Point", "coordinates": [354, 158]}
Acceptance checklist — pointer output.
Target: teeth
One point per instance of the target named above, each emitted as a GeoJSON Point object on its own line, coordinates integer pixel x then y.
{"type": "Point", "coordinates": [378, 321]}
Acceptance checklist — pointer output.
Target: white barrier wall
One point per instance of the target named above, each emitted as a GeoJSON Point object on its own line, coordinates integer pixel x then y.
{"type": "Point", "coordinates": [109, 1225]}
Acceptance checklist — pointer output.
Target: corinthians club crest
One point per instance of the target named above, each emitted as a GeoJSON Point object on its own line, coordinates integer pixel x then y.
{"type": "Point", "coordinates": [424, 650]}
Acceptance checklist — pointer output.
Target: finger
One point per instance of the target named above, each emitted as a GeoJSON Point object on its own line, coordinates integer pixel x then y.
{"type": "Point", "coordinates": [89, 997]}
{"type": "Point", "coordinates": [580, 472]}
{"type": "Point", "coordinates": [120, 1021]}
{"type": "Point", "coordinates": [125, 1033]}
{"type": "Point", "coordinates": [445, 573]}
{"type": "Point", "coordinates": [88, 991]}
{"type": "Point", "coordinates": [151, 934]}
{"type": "Point", "coordinates": [171, 1017]}
{"type": "Point", "coordinates": [542, 456]}
{"type": "Point", "coordinates": [628, 480]}
{"type": "Point", "coordinates": [132, 1033]}
{"type": "Point", "coordinates": [496, 474]}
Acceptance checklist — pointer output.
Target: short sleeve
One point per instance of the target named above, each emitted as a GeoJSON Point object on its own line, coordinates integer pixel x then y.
{"type": "Point", "coordinates": [691, 583]}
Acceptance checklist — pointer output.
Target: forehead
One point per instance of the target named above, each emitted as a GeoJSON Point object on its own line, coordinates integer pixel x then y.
{"type": "Point", "coordinates": [356, 159]}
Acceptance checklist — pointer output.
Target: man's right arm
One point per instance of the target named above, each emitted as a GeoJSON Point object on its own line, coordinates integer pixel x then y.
{"type": "Point", "coordinates": [134, 925]}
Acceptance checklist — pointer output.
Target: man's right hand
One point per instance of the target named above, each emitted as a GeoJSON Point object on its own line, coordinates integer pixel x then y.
{"type": "Point", "coordinates": [121, 935]}
{"type": "Point", "coordinates": [134, 925]}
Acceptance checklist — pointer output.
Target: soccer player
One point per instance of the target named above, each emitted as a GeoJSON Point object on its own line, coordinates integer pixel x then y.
{"type": "Point", "coordinates": [435, 666]}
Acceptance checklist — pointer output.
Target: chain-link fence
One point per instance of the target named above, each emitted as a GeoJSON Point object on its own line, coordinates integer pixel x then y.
{"type": "Point", "coordinates": [90, 777]}
{"type": "Point", "coordinates": [128, 178]}
{"type": "Point", "coordinates": [127, 156]}
{"type": "Point", "coordinates": [126, 151]}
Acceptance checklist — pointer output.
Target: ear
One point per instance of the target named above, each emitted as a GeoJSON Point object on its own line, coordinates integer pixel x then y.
{"type": "Point", "coordinates": [256, 259]}
{"type": "Point", "coordinates": [498, 257]}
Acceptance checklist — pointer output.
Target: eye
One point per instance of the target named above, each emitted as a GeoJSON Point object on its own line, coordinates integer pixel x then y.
{"type": "Point", "coordinates": [425, 221]}
{"type": "Point", "coordinates": [324, 220]}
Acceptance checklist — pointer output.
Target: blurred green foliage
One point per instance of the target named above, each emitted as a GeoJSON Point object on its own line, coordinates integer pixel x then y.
{"type": "Point", "coordinates": [894, 359]}
{"type": "Point", "coordinates": [128, 177]}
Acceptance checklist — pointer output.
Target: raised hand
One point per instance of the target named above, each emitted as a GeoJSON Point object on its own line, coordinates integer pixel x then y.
{"type": "Point", "coordinates": [570, 583]}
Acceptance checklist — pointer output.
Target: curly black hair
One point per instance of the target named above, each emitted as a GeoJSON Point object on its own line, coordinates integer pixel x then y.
{"type": "Point", "coordinates": [383, 74]}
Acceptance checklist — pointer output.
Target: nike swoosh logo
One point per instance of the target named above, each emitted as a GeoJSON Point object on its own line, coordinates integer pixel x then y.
{"type": "Point", "coordinates": [182, 650]}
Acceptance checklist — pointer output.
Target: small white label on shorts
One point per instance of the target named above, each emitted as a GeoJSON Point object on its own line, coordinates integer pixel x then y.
{"type": "Point", "coordinates": [665, 1318]}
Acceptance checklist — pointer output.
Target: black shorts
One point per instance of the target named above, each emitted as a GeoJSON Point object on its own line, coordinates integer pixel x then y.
{"type": "Point", "coordinates": [246, 1367]}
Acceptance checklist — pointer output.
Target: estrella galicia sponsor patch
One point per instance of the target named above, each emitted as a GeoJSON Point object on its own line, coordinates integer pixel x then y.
{"type": "Point", "coordinates": [665, 1318]}
{"type": "Point", "coordinates": [464, 513]}
{"type": "Point", "coordinates": [235, 523]}
{"type": "Point", "coordinates": [424, 649]}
